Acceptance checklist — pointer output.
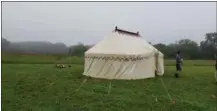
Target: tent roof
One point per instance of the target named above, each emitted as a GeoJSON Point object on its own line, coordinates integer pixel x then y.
{"type": "Point", "coordinates": [122, 43]}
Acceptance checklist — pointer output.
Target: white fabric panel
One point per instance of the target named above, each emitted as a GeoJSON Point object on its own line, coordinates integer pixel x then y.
{"type": "Point", "coordinates": [121, 70]}
{"type": "Point", "coordinates": [145, 69]}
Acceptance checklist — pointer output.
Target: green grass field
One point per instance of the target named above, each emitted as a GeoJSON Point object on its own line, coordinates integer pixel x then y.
{"type": "Point", "coordinates": [32, 83]}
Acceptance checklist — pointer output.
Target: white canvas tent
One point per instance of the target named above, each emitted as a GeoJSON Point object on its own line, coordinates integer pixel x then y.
{"type": "Point", "coordinates": [123, 55]}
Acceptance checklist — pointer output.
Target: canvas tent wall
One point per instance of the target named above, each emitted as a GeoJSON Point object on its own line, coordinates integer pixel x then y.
{"type": "Point", "coordinates": [159, 59]}
{"type": "Point", "coordinates": [123, 55]}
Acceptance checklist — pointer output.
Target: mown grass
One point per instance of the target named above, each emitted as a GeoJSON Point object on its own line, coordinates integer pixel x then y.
{"type": "Point", "coordinates": [40, 59]}
{"type": "Point", "coordinates": [192, 62]}
{"type": "Point", "coordinates": [42, 87]}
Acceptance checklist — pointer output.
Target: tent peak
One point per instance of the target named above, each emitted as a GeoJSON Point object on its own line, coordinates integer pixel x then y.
{"type": "Point", "coordinates": [126, 32]}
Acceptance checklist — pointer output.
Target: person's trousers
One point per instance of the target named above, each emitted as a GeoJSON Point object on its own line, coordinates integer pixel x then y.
{"type": "Point", "coordinates": [178, 67]}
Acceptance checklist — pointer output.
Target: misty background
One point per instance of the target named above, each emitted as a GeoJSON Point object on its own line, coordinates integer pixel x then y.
{"type": "Point", "coordinates": [73, 27]}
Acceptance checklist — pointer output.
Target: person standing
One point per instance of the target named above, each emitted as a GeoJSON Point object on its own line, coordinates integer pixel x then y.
{"type": "Point", "coordinates": [178, 64]}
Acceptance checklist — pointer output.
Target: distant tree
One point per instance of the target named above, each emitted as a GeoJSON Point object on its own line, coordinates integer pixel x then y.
{"type": "Point", "coordinates": [77, 50]}
{"type": "Point", "coordinates": [5, 43]}
{"type": "Point", "coordinates": [163, 48]}
{"type": "Point", "coordinates": [188, 48]}
{"type": "Point", "coordinates": [208, 47]}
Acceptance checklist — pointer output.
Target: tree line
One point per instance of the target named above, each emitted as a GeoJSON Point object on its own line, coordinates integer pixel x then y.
{"type": "Point", "coordinates": [189, 48]}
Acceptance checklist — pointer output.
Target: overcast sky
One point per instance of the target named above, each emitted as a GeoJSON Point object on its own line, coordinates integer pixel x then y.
{"type": "Point", "coordinates": [89, 22]}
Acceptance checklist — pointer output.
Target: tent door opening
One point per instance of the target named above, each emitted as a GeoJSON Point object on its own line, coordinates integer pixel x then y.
{"type": "Point", "coordinates": [156, 63]}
